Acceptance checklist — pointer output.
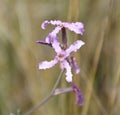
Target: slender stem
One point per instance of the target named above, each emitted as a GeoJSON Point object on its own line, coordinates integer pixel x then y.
{"type": "Point", "coordinates": [63, 90]}
{"type": "Point", "coordinates": [48, 97]}
{"type": "Point", "coordinates": [57, 82]}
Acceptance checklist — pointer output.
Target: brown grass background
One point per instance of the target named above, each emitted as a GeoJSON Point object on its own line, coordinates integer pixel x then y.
{"type": "Point", "coordinates": [22, 85]}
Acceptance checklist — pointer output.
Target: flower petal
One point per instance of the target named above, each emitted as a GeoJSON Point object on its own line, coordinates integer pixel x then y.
{"type": "Point", "coordinates": [53, 35]}
{"type": "Point", "coordinates": [46, 64]}
{"type": "Point", "coordinates": [74, 65]}
{"type": "Point", "coordinates": [44, 24]}
{"type": "Point", "coordinates": [75, 46]}
{"type": "Point", "coordinates": [56, 46]}
{"type": "Point", "coordinates": [56, 22]}
{"type": "Point", "coordinates": [79, 95]}
{"type": "Point", "coordinates": [68, 73]}
{"type": "Point", "coordinates": [77, 27]}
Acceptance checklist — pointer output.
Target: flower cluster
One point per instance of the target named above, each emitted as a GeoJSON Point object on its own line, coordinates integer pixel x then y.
{"type": "Point", "coordinates": [62, 51]}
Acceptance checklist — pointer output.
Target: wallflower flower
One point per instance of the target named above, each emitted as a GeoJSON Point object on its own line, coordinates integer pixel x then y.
{"type": "Point", "coordinates": [62, 57]}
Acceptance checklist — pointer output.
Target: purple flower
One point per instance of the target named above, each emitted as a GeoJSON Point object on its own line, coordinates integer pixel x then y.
{"type": "Point", "coordinates": [79, 95]}
{"type": "Point", "coordinates": [62, 57]}
{"type": "Point", "coordinates": [76, 27]}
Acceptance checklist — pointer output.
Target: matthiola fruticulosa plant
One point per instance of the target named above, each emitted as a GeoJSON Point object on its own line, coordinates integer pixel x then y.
{"type": "Point", "coordinates": [63, 56]}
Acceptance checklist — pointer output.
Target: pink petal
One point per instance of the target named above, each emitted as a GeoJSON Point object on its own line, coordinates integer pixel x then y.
{"type": "Point", "coordinates": [56, 30]}
{"type": "Point", "coordinates": [55, 22]}
{"type": "Point", "coordinates": [53, 35]}
{"type": "Point", "coordinates": [77, 27]}
{"type": "Point", "coordinates": [74, 65]}
{"type": "Point", "coordinates": [56, 46]}
{"type": "Point", "coordinates": [44, 24]}
{"type": "Point", "coordinates": [46, 64]}
{"type": "Point", "coordinates": [75, 46]}
{"type": "Point", "coordinates": [79, 95]}
{"type": "Point", "coordinates": [68, 73]}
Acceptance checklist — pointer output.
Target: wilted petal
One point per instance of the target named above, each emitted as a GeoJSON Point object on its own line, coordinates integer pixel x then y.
{"type": "Point", "coordinates": [79, 95]}
{"type": "Point", "coordinates": [75, 46]}
{"type": "Point", "coordinates": [74, 65]}
{"type": "Point", "coordinates": [46, 64]}
{"type": "Point", "coordinates": [68, 73]}
{"type": "Point", "coordinates": [77, 27]}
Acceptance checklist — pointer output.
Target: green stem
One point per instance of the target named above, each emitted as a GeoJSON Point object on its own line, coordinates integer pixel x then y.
{"type": "Point", "coordinates": [48, 97]}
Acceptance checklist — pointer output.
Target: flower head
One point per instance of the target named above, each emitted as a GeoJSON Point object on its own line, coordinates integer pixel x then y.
{"type": "Point", "coordinates": [76, 27]}
{"type": "Point", "coordinates": [62, 57]}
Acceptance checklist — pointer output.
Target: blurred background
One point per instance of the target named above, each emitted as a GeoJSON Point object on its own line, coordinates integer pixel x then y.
{"type": "Point", "coordinates": [22, 85]}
